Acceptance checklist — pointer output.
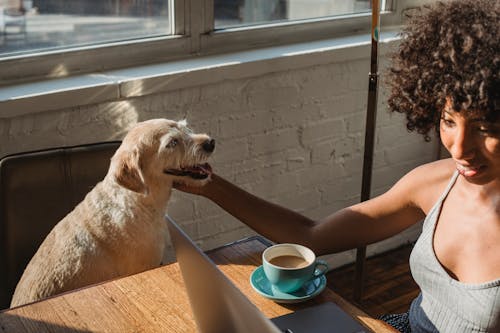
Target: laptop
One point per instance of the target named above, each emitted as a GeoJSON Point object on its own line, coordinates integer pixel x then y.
{"type": "Point", "coordinates": [220, 307]}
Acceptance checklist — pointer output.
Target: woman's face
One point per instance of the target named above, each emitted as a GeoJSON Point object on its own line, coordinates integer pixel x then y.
{"type": "Point", "coordinates": [474, 145]}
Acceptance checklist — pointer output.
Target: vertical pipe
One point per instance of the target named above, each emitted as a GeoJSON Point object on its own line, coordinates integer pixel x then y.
{"type": "Point", "coordinates": [371, 113]}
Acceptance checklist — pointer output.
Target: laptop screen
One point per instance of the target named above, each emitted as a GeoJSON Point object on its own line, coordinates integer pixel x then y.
{"type": "Point", "coordinates": [218, 305]}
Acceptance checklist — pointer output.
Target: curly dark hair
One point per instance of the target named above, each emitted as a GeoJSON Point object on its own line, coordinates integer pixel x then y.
{"type": "Point", "coordinates": [448, 50]}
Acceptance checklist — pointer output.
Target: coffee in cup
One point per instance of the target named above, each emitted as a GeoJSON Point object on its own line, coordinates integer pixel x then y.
{"type": "Point", "coordinates": [289, 261]}
{"type": "Point", "coordinates": [289, 266]}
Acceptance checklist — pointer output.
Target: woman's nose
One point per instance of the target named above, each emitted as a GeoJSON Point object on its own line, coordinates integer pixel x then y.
{"type": "Point", "coordinates": [463, 145]}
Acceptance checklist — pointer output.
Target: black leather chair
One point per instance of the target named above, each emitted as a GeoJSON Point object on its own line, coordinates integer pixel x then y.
{"type": "Point", "coordinates": [37, 189]}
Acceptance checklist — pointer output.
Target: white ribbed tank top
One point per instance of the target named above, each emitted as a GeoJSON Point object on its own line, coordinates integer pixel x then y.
{"type": "Point", "coordinates": [446, 305]}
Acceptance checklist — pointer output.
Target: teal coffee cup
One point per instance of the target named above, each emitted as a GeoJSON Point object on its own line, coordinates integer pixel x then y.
{"type": "Point", "coordinates": [289, 266]}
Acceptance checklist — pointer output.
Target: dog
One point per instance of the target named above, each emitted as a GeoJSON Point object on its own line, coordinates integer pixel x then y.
{"type": "Point", "coordinates": [119, 228]}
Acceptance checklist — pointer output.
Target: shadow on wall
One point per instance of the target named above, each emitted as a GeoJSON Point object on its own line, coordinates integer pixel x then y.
{"type": "Point", "coordinates": [62, 128]}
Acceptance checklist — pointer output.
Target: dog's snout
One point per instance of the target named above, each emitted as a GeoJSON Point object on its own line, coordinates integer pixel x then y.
{"type": "Point", "coordinates": [209, 145]}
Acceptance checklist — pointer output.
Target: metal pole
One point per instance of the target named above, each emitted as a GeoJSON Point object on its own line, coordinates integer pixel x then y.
{"type": "Point", "coordinates": [371, 113]}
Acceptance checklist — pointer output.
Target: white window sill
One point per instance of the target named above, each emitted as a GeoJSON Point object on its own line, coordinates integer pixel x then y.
{"type": "Point", "coordinates": [115, 85]}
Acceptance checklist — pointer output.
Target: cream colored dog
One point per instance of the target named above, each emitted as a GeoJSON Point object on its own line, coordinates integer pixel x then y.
{"type": "Point", "coordinates": [119, 228]}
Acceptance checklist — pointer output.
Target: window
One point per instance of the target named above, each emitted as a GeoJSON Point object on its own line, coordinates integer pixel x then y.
{"type": "Point", "coordinates": [54, 38]}
{"type": "Point", "coordinates": [41, 25]}
{"type": "Point", "coordinates": [231, 13]}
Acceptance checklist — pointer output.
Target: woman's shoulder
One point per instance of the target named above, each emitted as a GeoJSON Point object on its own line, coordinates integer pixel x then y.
{"type": "Point", "coordinates": [429, 181]}
{"type": "Point", "coordinates": [436, 171]}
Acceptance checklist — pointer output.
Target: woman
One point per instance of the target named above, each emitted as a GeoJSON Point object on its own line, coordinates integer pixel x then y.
{"type": "Point", "coordinates": [444, 76]}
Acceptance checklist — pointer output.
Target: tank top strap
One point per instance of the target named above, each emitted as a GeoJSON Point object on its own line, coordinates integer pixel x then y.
{"type": "Point", "coordinates": [449, 186]}
{"type": "Point", "coordinates": [433, 214]}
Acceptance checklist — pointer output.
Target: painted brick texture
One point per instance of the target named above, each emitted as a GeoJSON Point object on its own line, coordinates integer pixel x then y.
{"type": "Point", "coordinates": [294, 137]}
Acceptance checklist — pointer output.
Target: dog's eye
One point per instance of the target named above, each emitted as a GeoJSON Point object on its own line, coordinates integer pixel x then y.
{"type": "Point", "coordinates": [172, 143]}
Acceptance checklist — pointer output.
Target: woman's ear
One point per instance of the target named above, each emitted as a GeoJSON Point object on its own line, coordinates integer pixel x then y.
{"type": "Point", "coordinates": [127, 170]}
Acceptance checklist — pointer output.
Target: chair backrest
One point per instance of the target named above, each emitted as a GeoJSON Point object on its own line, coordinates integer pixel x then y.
{"type": "Point", "coordinates": [37, 189]}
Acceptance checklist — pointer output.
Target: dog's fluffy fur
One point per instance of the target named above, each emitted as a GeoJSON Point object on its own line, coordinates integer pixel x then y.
{"type": "Point", "coordinates": [119, 228]}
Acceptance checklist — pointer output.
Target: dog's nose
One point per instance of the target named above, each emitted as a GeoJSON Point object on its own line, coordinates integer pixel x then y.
{"type": "Point", "coordinates": [209, 145]}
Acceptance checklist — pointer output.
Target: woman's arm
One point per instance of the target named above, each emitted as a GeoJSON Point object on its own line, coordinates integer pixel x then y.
{"type": "Point", "coordinates": [358, 225]}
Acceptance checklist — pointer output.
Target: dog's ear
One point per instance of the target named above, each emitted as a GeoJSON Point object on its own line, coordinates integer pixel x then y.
{"type": "Point", "coordinates": [127, 171]}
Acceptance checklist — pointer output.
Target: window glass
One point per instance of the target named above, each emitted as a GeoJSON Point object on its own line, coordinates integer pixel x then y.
{"type": "Point", "coordinates": [38, 37]}
{"type": "Point", "coordinates": [234, 13]}
{"type": "Point", "coordinates": [28, 26]}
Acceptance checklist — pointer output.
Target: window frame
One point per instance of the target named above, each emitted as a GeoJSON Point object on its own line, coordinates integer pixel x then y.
{"type": "Point", "coordinates": [193, 35]}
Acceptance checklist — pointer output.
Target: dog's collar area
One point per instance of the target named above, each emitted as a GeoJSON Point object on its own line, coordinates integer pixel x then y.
{"type": "Point", "coordinates": [200, 171]}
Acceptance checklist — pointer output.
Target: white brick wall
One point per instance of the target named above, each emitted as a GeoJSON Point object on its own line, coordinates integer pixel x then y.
{"type": "Point", "coordinates": [294, 136]}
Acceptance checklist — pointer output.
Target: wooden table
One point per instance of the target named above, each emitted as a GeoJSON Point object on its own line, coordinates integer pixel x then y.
{"type": "Point", "coordinates": [156, 301]}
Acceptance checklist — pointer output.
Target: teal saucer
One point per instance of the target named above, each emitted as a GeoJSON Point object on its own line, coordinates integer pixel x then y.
{"type": "Point", "coordinates": [262, 285]}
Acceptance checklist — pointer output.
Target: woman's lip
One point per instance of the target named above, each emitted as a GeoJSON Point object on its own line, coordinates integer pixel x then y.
{"type": "Point", "coordinates": [468, 171]}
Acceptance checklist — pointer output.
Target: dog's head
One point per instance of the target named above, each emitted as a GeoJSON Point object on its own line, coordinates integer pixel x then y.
{"type": "Point", "coordinates": [158, 151]}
